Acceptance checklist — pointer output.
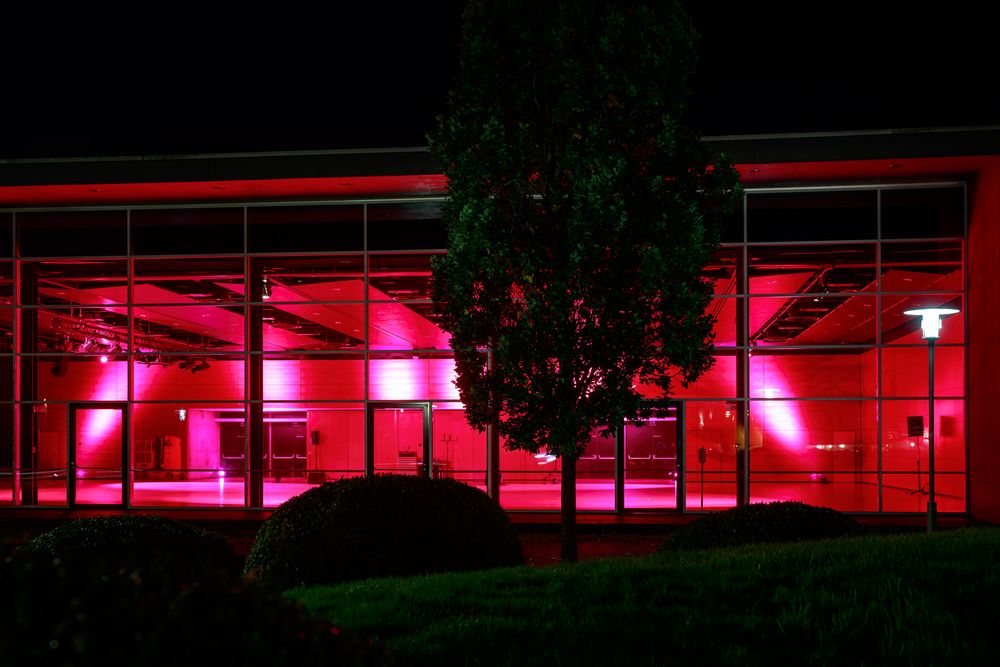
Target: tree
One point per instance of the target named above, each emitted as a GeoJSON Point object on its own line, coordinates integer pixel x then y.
{"type": "Point", "coordinates": [578, 221]}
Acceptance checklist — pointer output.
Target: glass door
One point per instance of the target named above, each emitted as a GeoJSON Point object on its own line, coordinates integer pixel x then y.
{"type": "Point", "coordinates": [652, 461]}
{"type": "Point", "coordinates": [399, 439]}
{"type": "Point", "coordinates": [98, 465]}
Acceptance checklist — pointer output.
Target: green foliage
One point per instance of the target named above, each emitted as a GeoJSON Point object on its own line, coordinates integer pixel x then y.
{"type": "Point", "coordinates": [387, 525]}
{"type": "Point", "coordinates": [150, 591]}
{"type": "Point", "coordinates": [902, 600]}
{"type": "Point", "coordinates": [579, 216]}
{"type": "Point", "coordinates": [788, 521]}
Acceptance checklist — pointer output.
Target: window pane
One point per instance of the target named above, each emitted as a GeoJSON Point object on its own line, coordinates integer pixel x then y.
{"type": "Point", "coordinates": [904, 371]}
{"type": "Point", "coordinates": [652, 469]}
{"type": "Point", "coordinates": [90, 330]}
{"type": "Point", "coordinates": [81, 376]}
{"type": "Point", "coordinates": [812, 216]}
{"type": "Point", "coordinates": [206, 280]}
{"type": "Point", "coordinates": [6, 282]}
{"type": "Point", "coordinates": [921, 213]}
{"type": "Point", "coordinates": [71, 233]}
{"type": "Point", "coordinates": [188, 454]}
{"type": "Point", "coordinates": [7, 440]}
{"type": "Point", "coordinates": [6, 234]}
{"type": "Point", "coordinates": [922, 267]}
{"type": "Point", "coordinates": [415, 225]}
{"type": "Point", "coordinates": [818, 452]}
{"type": "Point", "coordinates": [307, 444]}
{"type": "Point", "coordinates": [723, 270]}
{"type": "Point", "coordinates": [396, 377]}
{"type": "Point", "coordinates": [405, 326]}
{"type": "Point", "coordinates": [305, 228]}
{"type": "Point", "coordinates": [808, 374]}
{"type": "Point", "coordinates": [197, 377]}
{"type": "Point", "coordinates": [459, 450]}
{"type": "Point", "coordinates": [529, 482]}
{"type": "Point", "coordinates": [400, 276]}
{"type": "Point", "coordinates": [811, 269]}
{"type": "Point", "coordinates": [718, 382]}
{"type": "Point", "coordinates": [7, 380]}
{"type": "Point", "coordinates": [814, 320]}
{"type": "Point", "coordinates": [78, 282]}
{"type": "Point", "coordinates": [175, 231]}
{"type": "Point", "coordinates": [49, 441]}
{"type": "Point", "coordinates": [303, 377]}
{"type": "Point", "coordinates": [327, 278]}
{"type": "Point", "coordinates": [177, 329]}
{"type": "Point", "coordinates": [726, 313]}
{"type": "Point", "coordinates": [313, 326]}
{"type": "Point", "coordinates": [898, 328]}
{"type": "Point", "coordinates": [905, 456]}
{"type": "Point", "coordinates": [710, 427]}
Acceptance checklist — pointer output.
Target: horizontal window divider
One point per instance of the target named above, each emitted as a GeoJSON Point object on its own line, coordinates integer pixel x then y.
{"type": "Point", "coordinates": [943, 293]}
{"type": "Point", "coordinates": [937, 397]}
{"type": "Point", "coordinates": [405, 251]}
{"type": "Point", "coordinates": [291, 254]}
{"type": "Point", "coordinates": [207, 255]}
{"type": "Point", "coordinates": [923, 472]}
{"type": "Point", "coordinates": [825, 346]}
{"type": "Point", "coordinates": [860, 186]}
{"type": "Point", "coordinates": [921, 346]}
{"type": "Point", "coordinates": [816, 242]}
{"type": "Point", "coordinates": [234, 204]}
{"type": "Point", "coordinates": [761, 399]}
{"type": "Point", "coordinates": [808, 471]}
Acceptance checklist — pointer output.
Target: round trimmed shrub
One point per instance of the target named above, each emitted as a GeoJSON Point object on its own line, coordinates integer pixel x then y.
{"type": "Point", "coordinates": [785, 521]}
{"type": "Point", "coordinates": [151, 546]}
{"type": "Point", "coordinates": [150, 591]}
{"type": "Point", "coordinates": [387, 525]}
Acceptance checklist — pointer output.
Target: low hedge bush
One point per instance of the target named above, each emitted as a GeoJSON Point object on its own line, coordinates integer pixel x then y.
{"type": "Point", "coordinates": [168, 594]}
{"type": "Point", "coordinates": [785, 521]}
{"type": "Point", "coordinates": [387, 525]}
{"type": "Point", "coordinates": [151, 546]}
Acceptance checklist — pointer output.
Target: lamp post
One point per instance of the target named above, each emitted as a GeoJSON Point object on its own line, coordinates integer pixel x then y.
{"type": "Point", "coordinates": [930, 328]}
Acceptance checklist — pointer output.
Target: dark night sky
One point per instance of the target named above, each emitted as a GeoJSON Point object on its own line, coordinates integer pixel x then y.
{"type": "Point", "coordinates": [376, 76]}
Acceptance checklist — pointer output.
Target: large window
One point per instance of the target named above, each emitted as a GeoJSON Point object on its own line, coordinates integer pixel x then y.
{"type": "Point", "coordinates": [826, 369]}
{"type": "Point", "coordinates": [235, 356]}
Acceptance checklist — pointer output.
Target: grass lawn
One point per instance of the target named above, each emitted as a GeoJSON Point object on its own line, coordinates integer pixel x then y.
{"type": "Point", "coordinates": [911, 599]}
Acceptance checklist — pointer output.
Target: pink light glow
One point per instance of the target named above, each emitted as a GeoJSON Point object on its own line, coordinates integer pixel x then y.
{"type": "Point", "coordinates": [412, 379]}
{"type": "Point", "coordinates": [779, 420]}
{"type": "Point", "coordinates": [98, 424]}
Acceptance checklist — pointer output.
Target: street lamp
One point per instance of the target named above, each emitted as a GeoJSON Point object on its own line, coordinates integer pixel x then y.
{"type": "Point", "coordinates": [930, 328]}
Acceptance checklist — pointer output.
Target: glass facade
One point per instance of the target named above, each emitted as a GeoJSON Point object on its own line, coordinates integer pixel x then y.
{"type": "Point", "coordinates": [236, 355]}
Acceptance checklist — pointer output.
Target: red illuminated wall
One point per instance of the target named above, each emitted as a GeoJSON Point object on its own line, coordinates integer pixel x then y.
{"type": "Point", "coordinates": [984, 341]}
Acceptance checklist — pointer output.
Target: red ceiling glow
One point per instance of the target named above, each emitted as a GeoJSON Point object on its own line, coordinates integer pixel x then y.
{"type": "Point", "coordinates": [436, 184]}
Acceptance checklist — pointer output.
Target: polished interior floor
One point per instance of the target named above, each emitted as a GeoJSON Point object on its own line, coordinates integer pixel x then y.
{"type": "Point", "coordinates": [593, 496]}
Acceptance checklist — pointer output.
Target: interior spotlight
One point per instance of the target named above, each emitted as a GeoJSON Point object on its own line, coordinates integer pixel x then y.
{"type": "Point", "coordinates": [266, 289]}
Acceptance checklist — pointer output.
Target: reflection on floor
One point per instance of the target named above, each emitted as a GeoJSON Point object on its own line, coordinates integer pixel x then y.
{"type": "Point", "coordinates": [591, 495]}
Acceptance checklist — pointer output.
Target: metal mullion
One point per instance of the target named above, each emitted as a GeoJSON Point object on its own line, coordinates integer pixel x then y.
{"type": "Point", "coordinates": [879, 412]}
{"type": "Point", "coordinates": [129, 426]}
{"type": "Point", "coordinates": [369, 433]}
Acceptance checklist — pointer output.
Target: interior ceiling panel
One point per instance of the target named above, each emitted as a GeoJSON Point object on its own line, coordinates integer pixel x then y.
{"type": "Point", "coordinates": [394, 325]}
{"type": "Point", "coordinates": [194, 317]}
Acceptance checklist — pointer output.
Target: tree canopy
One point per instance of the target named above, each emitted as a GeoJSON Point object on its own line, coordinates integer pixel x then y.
{"type": "Point", "coordinates": [579, 217]}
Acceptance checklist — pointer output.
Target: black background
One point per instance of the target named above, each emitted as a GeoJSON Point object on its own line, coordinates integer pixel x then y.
{"type": "Point", "coordinates": [170, 78]}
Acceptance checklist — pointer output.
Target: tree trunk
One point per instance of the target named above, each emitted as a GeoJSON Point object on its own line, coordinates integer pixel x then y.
{"type": "Point", "coordinates": [568, 525]}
